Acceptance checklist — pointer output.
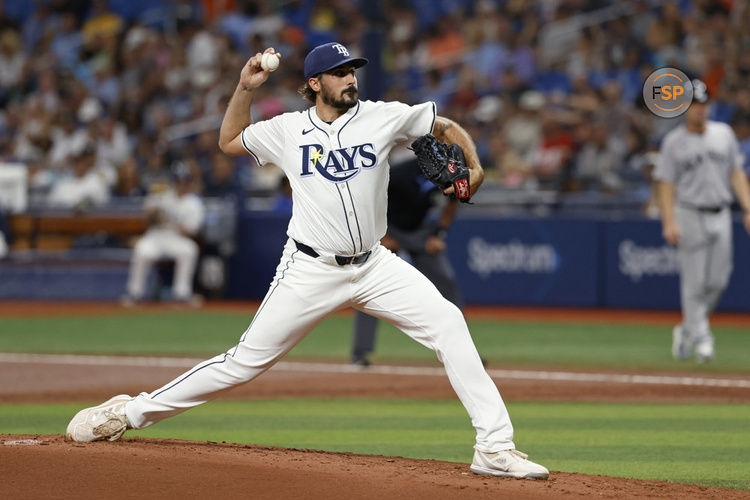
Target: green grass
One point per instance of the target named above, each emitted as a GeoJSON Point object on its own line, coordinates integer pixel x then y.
{"type": "Point", "coordinates": [700, 444]}
{"type": "Point", "coordinates": [703, 444]}
{"type": "Point", "coordinates": [519, 343]}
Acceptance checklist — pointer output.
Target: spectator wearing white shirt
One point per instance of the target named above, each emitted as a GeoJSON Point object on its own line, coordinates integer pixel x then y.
{"type": "Point", "coordinates": [112, 146]}
{"type": "Point", "coordinates": [84, 187]}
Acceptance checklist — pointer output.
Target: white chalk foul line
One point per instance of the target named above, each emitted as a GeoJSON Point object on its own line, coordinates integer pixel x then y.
{"type": "Point", "coordinates": [22, 442]}
{"type": "Point", "coordinates": [295, 366]}
{"type": "Point", "coordinates": [527, 375]}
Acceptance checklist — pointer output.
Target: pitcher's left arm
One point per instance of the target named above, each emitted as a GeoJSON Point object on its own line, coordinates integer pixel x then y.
{"type": "Point", "coordinates": [450, 132]}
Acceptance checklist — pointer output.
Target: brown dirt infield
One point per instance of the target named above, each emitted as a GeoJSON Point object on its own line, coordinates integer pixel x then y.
{"type": "Point", "coordinates": [149, 468]}
{"type": "Point", "coordinates": [59, 383]}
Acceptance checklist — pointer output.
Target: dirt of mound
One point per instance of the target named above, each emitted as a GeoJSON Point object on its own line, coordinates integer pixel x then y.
{"type": "Point", "coordinates": [48, 467]}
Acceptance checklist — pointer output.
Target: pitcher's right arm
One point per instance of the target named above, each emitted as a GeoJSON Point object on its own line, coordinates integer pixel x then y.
{"type": "Point", "coordinates": [237, 115]}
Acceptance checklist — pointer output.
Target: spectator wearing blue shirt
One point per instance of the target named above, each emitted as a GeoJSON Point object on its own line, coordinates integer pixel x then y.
{"type": "Point", "coordinates": [68, 42]}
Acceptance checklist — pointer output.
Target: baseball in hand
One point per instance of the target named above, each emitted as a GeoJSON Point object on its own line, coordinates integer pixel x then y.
{"type": "Point", "coordinates": [269, 61]}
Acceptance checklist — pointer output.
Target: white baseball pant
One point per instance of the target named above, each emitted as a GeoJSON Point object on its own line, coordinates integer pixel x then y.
{"type": "Point", "coordinates": [705, 254]}
{"type": "Point", "coordinates": [303, 292]}
{"type": "Point", "coordinates": [158, 244]}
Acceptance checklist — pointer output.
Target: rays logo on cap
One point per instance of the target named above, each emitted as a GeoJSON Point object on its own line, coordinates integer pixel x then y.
{"type": "Point", "coordinates": [342, 50]}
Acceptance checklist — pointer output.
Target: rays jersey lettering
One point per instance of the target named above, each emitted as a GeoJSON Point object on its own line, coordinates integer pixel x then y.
{"type": "Point", "coordinates": [337, 165]}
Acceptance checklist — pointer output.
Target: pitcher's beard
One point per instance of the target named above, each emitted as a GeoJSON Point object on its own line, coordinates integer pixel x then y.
{"type": "Point", "coordinates": [346, 100]}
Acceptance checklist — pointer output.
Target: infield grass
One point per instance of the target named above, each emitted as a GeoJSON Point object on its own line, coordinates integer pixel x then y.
{"type": "Point", "coordinates": [517, 343]}
{"type": "Point", "coordinates": [685, 443]}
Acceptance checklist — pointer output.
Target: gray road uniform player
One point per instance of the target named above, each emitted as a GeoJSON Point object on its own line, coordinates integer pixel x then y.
{"type": "Point", "coordinates": [335, 156]}
{"type": "Point", "coordinates": [699, 166]}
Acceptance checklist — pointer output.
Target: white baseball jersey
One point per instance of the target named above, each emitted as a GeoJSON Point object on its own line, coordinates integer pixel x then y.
{"type": "Point", "coordinates": [71, 191]}
{"type": "Point", "coordinates": [338, 171]}
{"type": "Point", "coordinates": [187, 211]}
{"type": "Point", "coordinates": [699, 165]}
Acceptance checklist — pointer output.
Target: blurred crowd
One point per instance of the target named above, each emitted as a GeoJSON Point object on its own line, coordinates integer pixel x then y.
{"type": "Point", "coordinates": [99, 98]}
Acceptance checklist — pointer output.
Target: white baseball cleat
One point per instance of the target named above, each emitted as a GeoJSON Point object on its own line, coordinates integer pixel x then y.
{"type": "Point", "coordinates": [507, 463]}
{"type": "Point", "coordinates": [106, 421]}
{"type": "Point", "coordinates": [680, 345]}
{"type": "Point", "coordinates": [704, 351]}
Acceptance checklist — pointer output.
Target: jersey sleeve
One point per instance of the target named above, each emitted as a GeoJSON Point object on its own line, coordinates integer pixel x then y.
{"type": "Point", "coordinates": [666, 166]}
{"type": "Point", "coordinates": [410, 122]}
{"type": "Point", "coordinates": [265, 140]}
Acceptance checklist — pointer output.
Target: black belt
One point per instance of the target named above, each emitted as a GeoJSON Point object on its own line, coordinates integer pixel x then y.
{"type": "Point", "coordinates": [341, 260]}
{"type": "Point", "coordinates": [711, 210]}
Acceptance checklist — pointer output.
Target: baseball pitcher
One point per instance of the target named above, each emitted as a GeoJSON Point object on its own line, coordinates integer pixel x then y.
{"type": "Point", "coordinates": [335, 156]}
{"type": "Point", "coordinates": [700, 165]}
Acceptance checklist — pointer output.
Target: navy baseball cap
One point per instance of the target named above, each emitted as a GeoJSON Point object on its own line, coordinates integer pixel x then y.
{"type": "Point", "coordinates": [328, 56]}
{"type": "Point", "coordinates": [700, 91]}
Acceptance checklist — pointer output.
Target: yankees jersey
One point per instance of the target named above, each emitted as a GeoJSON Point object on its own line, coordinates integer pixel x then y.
{"type": "Point", "coordinates": [699, 165]}
{"type": "Point", "coordinates": [338, 171]}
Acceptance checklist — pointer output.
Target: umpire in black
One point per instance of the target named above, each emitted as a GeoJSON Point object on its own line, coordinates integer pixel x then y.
{"type": "Point", "coordinates": [414, 231]}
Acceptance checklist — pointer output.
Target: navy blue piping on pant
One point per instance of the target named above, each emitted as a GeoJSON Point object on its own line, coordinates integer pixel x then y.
{"type": "Point", "coordinates": [196, 370]}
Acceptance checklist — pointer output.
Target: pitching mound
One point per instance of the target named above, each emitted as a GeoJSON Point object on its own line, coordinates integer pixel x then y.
{"type": "Point", "coordinates": [49, 467]}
